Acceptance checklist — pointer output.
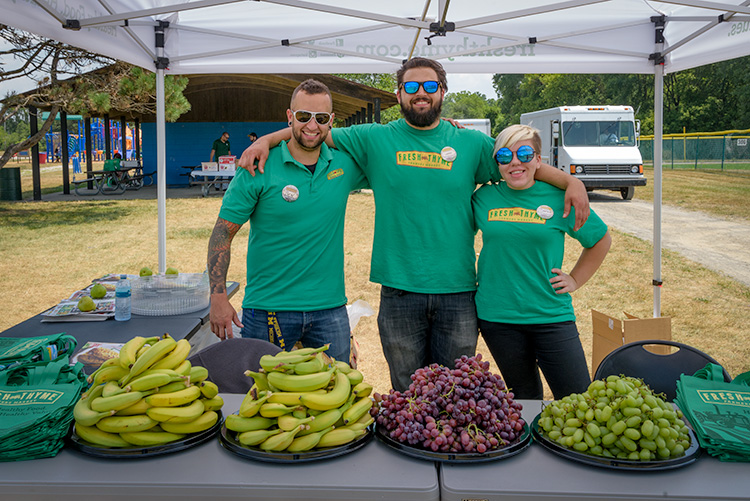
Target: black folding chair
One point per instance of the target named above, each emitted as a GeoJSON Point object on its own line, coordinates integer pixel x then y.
{"type": "Point", "coordinates": [660, 372]}
{"type": "Point", "coordinates": [228, 360]}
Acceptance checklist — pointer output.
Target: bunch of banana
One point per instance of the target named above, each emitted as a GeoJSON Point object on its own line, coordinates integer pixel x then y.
{"type": "Point", "coordinates": [300, 401]}
{"type": "Point", "coordinates": [150, 395]}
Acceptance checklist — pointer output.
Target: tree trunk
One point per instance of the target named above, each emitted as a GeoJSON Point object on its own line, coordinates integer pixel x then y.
{"type": "Point", "coordinates": [32, 140]}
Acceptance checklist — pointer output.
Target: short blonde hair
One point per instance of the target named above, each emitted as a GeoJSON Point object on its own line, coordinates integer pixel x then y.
{"type": "Point", "coordinates": [514, 133]}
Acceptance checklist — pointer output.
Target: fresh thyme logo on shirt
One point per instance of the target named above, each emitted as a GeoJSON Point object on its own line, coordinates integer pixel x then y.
{"type": "Point", "coordinates": [422, 159]}
{"type": "Point", "coordinates": [515, 215]}
{"type": "Point", "coordinates": [335, 173]}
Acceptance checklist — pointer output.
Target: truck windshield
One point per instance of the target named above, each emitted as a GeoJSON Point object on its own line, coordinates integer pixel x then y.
{"type": "Point", "coordinates": [604, 133]}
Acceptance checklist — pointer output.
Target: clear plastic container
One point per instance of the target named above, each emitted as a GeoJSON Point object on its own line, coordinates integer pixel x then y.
{"type": "Point", "coordinates": [161, 295]}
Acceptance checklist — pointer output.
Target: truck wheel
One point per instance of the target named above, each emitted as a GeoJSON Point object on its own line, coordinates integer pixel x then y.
{"type": "Point", "coordinates": [627, 193]}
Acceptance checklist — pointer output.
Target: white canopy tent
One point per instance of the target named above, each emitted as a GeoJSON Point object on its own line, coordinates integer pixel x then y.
{"type": "Point", "coordinates": [342, 36]}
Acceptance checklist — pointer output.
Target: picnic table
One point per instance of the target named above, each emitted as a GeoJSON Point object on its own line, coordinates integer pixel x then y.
{"type": "Point", "coordinates": [189, 169]}
{"type": "Point", "coordinates": [207, 179]}
{"type": "Point", "coordinates": [128, 176]}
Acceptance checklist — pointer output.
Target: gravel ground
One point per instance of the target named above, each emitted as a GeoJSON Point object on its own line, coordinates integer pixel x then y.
{"type": "Point", "coordinates": [719, 244]}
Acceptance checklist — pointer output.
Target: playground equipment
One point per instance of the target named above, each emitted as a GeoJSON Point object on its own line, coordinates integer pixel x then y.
{"type": "Point", "coordinates": [77, 141]}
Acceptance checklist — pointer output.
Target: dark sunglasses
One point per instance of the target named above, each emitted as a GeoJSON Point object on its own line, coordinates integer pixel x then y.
{"type": "Point", "coordinates": [524, 154]}
{"type": "Point", "coordinates": [430, 86]}
{"type": "Point", "coordinates": [304, 116]}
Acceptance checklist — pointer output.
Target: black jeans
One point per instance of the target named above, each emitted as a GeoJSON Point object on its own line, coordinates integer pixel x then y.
{"type": "Point", "coordinates": [521, 350]}
{"type": "Point", "coordinates": [419, 329]}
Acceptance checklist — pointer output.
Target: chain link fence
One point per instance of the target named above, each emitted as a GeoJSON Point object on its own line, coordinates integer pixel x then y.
{"type": "Point", "coordinates": [730, 151]}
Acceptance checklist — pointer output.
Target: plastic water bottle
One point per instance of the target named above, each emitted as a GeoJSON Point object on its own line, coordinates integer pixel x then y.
{"type": "Point", "coordinates": [122, 299]}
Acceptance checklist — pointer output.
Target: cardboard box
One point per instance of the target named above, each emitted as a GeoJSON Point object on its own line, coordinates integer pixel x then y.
{"type": "Point", "coordinates": [209, 166]}
{"type": "Point", "coordinates": [610, 333]}
{"type": "Point", "coordinates": [227, 163]}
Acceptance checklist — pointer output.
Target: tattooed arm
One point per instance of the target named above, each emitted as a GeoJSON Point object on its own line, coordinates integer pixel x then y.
{"type": "Point", "coordinates": [222, 313]}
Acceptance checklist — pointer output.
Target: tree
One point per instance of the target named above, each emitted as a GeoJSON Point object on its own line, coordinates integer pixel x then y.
{"type": "Point", "coordinates": [524, 93]}
{"type": "Point", "coordinates": [466, 104]}
{"type": "Point", "coordinates": [708, 98]}
{"type": "Point", "coordinates": [64, 84]}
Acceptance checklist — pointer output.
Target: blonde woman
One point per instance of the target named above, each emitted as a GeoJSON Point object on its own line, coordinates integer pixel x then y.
{"type": "Point", "coordinates": [523, 297]}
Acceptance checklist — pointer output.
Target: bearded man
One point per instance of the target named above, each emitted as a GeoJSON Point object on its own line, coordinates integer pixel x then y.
{"type": "Point", "coordinates": [423, 172]}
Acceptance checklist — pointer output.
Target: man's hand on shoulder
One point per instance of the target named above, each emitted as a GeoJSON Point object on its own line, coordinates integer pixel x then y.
{"type": "Point", "coordinates": [454, 123]}
{"type": "Point", "coordinates": [255, 153]}
{"type": "Point", "coordinates": [577, 196]}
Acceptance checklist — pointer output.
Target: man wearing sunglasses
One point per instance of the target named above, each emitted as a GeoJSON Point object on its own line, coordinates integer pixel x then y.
{"type": "Point", "coordinates": [220, 148]}
{"type": "Point", "coordinates": [423, 172]}
{"type": "Point", "coordinates": [295, 258]}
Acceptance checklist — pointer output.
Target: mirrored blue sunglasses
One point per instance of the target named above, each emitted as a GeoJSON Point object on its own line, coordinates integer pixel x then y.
{"type": "Point", "coordinates": [430, 86]}
{"type": "Point", "coordinates": [524, 154]}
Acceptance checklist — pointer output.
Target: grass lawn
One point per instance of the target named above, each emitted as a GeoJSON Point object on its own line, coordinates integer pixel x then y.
{"type": "Point", "coordinates": [721, 193]}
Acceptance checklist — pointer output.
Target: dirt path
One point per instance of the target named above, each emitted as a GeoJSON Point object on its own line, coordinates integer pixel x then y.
{"type": "Point", "coordinates": [716, 243]}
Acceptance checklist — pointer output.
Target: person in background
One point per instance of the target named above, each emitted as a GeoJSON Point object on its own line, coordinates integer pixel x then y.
{"type": "Point", "coordinates": [113, 165]}
{"type": "Point", "coordinates": [523, 297]}
{"type": "Point", "coordinates": [423, 171]}
{"type": "Point", "coordinates": [220, 148]}
{"type": "Point", "coordinates": [295, 255]}
{"type": "Point", "coordinates": [252, 137]}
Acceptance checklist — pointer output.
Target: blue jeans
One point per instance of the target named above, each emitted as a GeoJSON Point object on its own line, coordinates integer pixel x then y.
{"type": "Point", "coordinates": [521, 350]}
{"type": "Point", "coordinates": [417, 330]}
{"type": "Point", "coordinates": [312, 328]}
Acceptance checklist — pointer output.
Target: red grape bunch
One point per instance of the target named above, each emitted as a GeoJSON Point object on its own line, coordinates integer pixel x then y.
{"type": "Point", "coordinates": [465, 409]}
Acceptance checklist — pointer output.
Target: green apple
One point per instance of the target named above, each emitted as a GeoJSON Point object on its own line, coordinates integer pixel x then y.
{"type": "Point", "coordinates": [171, 271]}
{"type": "Point", "coordinates": [86, 304]}
{"type": "Point", "coordinates": [98, 291]}
{"type": "Point", "coordinates": [146, 272]}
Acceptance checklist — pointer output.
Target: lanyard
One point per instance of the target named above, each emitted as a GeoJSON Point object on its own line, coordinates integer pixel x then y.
{"type": "Point", "coordinates": [274, 330]}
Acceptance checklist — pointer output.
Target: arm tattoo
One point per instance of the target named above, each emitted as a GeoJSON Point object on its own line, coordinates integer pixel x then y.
{"type": "Point", "coordinates": [219, 253]}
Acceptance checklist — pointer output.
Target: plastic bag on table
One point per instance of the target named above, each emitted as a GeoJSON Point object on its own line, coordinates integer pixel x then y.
{"type": "Point", "coordinates": [356, 310]}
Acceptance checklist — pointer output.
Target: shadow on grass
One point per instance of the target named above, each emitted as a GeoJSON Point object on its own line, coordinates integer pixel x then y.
{"type": "Point", "coordinates": [40, 216]}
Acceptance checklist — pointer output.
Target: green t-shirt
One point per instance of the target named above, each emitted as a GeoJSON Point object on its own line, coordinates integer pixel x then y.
{"type": "Point", "coordinates": [424, 238]}
{"type": "Point", "coordinates": [220, 149]}
{"type": "Point", "coordinates": [519, 250]}
{"type": "Point", "coordinates": [295, 254]}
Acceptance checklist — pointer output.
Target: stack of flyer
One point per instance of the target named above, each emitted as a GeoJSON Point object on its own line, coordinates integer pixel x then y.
{"type": "Point", "coordinates": [67, 309]}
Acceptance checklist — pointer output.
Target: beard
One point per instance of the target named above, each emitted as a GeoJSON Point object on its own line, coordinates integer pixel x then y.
{"type": "Point", "coordinates": [422, 118]}
{"type": "Point", "coordinates": [308, 144]}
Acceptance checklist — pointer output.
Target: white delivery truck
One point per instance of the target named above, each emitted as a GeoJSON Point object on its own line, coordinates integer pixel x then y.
{"type": "Point", "coordinates": [480, 124]}
{"type": "Point", "coordinates": [597, 144]}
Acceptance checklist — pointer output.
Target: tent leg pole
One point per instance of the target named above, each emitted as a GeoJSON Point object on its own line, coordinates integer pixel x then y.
{"type": "Point", "coordinates": [161, 169]}
{"type": "Point", "coordinates": [658, 135]}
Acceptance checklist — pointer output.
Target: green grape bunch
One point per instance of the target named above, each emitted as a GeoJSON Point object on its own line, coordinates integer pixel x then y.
{"type": "Point", "coordinates": [617, 417]}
